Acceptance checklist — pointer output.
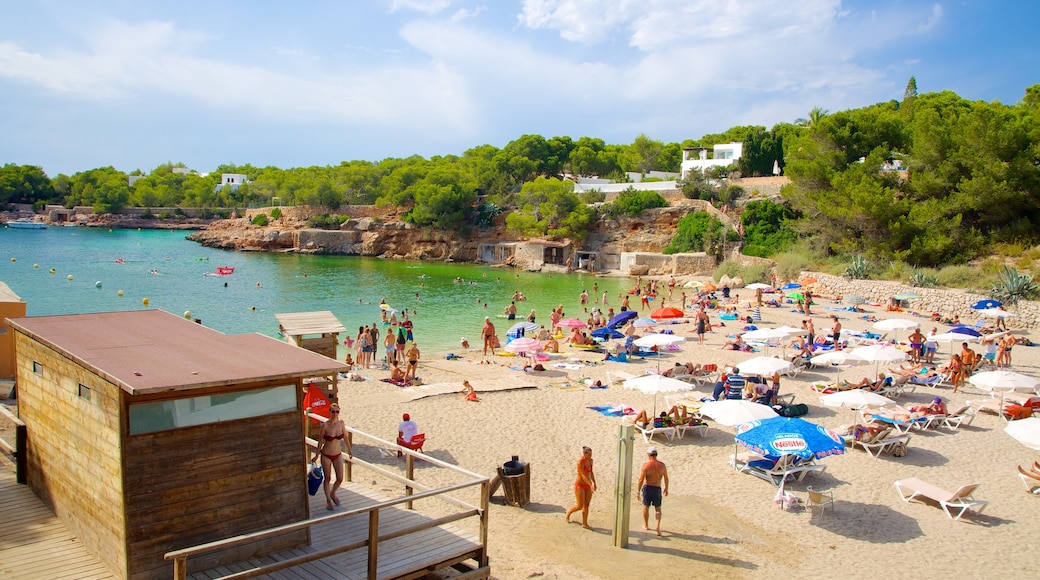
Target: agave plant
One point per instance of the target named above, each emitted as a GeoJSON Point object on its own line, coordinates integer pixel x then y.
{"type": "Point", "coordinates": [857, 270]}
{"type": "Point", "coordinates": [921, 280]}
{"type": "Point", "coordinates": [486, 214]}
{"type": "Point", "coordinates": [1011, 286]}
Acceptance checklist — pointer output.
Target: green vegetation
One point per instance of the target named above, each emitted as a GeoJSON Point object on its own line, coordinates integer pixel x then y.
{"type": "Point", "coordinates": [1010, 286]}
{"type": "Point", "coordinates": [259, 219]}
{"type": "Point", "coordinates": [276, 213]}
{"type": "Point", "coordinates": [326, 221]}
{"type": "Point", "coordinates": [698, 232]}
{"type": "Point", "coordinates": [632, 202]}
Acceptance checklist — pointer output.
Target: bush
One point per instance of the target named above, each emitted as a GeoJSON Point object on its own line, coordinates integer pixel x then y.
{"type": "Point", "coordinates": [728, 268]}
{"type": "Point", "coordinates": [592, 196]}
{"type": "Point", "coordinates": [857, 269]}
{"type": "Point", "coordinates": [276, 213]}
{"type": "Point", "coordinates": [632, 202]}
{"type": "Point", "coordinates": [750, 274]}
{"type": "Point", "coordinates": [326, 222]}
{"type": "Point", "coordinates": [259, 219]}
{"type": "Point", "coordinates": [790, 265]}
{"type": "Point", "coordinates": [1011, 286]}
{"type": "Point", "coordinates": [922, 279]}
{"type": "Point", "coordinates": [697, 232]}
{"type": "Point", "coordinates": [962, 276]}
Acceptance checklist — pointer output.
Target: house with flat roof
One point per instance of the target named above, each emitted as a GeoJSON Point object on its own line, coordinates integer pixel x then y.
{"type": "Point", "coordinates": [723, 155]}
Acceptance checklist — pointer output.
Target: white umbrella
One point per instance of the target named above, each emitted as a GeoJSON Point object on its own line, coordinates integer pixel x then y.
{"type": "Point", "coordinates": [1003, 381]}
{"type": "Point", "coordinates": [694, 284]}
{"type": "Point", "coordinates": [896, 324]}
{"type": "Point", "coordinates": [764, 334]}
{"type": "Point", "coordinates": [791, 329]}
{"type": "Point", "coordinates": [1026, 432]}
{"type": "Point", "coordinates": [731, 412]}
{"type": "Point", "coordinates": [995, 312]}
{"type": "Point", "coordinates": [525, 326]}
{"type": "Point", "coordinates": [652, 340]}
{"type": "Point", "coordinates": [644, 323]}
{"type": "Point", "coordinates": [763, 366]}
{"type": "Point", "coordinates": [855, 399]}
{"type": "Point", "coordinates": [955, 337]}
{"type": "Point", "coordinates": [837, 357]}
{"type": "Point", "coordinates": [653, 384]}
{"type": "Point", "coordinates": [758, 286]}
{"type": "Point", "coordinates": [879, 353]}
{"type": "Point", "coordinates": [524, 345]}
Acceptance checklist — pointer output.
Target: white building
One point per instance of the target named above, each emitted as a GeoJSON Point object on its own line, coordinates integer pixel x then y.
{"type": "Point", "coordinates": [722, 156]}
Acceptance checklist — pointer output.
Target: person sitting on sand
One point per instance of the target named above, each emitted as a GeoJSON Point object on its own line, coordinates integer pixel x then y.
{"type": "Point", "coordinates": [735, 343]}
{"type": "Point", "coordinates": [468, 392]}
{"type": "Point", "coordinates": [551, 345]}
{"type": "Point", "coordinates": [396, 374]}
{"type": "Point", "coordinates": [577, 337]}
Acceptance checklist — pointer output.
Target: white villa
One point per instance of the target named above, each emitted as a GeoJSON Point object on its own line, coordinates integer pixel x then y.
{"type": "Point", "coordinates": [722, 156]}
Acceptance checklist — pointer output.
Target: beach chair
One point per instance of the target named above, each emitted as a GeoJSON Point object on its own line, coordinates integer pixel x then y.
{"type": "Point", "coordinates": [416, 444]}
{"type": "Point", "coordinates": [788, 466]}
{"type": "Point", "coordinates": [1030, 479]}
{"type": "Point", "coordinates": [885, 440]}
{"type": "Point", "coordinates": [618, 377]}
{"type": "Point", "coordinates": [960, 501]}
{"type": "Point", "coordinates": [961, 416]}
{"type": "Point", "coordinates": [899, 384]}
{"type": "Point", "coordinates": [649, 430]}
{"type": "Point", "coordinates": [819, 499]}
{"type": "Point", "coordinates": [692, 424]}
{"type": "Point", "coordinates": [902, 425]}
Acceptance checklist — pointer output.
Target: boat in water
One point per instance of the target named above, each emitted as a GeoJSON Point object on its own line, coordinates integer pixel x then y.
{"type": "Point", "coordinates": [26, 224]}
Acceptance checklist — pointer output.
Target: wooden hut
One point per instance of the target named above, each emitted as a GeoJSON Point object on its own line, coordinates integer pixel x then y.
{"type": "Point", "coordinates": [11, 306]}
{"type": "Point", "coordinates": [148, 433]}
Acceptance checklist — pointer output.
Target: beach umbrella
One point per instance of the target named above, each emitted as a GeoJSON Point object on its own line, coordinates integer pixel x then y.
{"type": "Point", "coordinates": [855, 399]}
{"type": "Point", "coordinates": [986, 303]}
{"type": "Point", "coordinates": [1026, 432]}
{"type": "Point", "coordinates": [621, 318]}
{"type": "Point", "coordinates": [524, 326]}
{"type": "Point", "coordinates": [667, 312]}
{"type": "Point", "coordinates": [758, 286]}
{"type": "Point", "coordinates": [789, 436]}
{"type": "Point", "coordinates": [796, 295]}
{"type": "Point", "coordinates": [996, 313]}
{"type": "Point", "coordinates": [730, 412]}
{"type": "Point", "coordinates": [524, 345]}
{"type": "Point", "coordinates": [571, 323]}
{"type": "Point", "coordinates": [965, 330]}
{"type": "Point", "coordinates": [879, 353]}
{"type": "Point", "coordinates": [907, 296]}
{"type": "Point", "coordinates": [764, 334]}
{"type": "Point", "coordinates": [790, 286]}
{"type": "Point", "coordinates": [653, 384]}
{"type": "Point", "coordinates": [644, 323]}
{"type": "Point", "coordinates": [652, 340]}
{"type": "Point", "coordinates": [763, 366]}
{"type": "Point", "coordinates": [855, 300]}
{"type": "Point", "coordinates": [1003, 381]}
{"type": "Point", "coordinates": [955, 337]}
{"type": "Point", "coordinates": [695, 284]}
{"type": "Point", "coordinates": [896, 324]}
{"type": "Point", "coordinates": [607, 333]}
{"type": "Point", "coordinates": [791, 329]}
{"type": "Point", "coordinates": [837, 357]}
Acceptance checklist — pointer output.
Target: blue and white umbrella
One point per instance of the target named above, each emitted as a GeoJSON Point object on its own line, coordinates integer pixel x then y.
{"type": "Point", "coordinates": [790, 286]}
{"type": "Point", "coordinates": [986, 303]}
{"type": "Point", "coordinates": [965, 330]}
{"type": "Point", "coordinates": [789, 436]}
{"type": "Point", "coordinates": [525, 326]}
{"type": "Point", "coordinates": [606, 333]}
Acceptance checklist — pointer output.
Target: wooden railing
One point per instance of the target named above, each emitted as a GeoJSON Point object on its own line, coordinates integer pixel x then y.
{"type": "Point", "coordinates": [412, 491]}
{"type": "Point", "coordinates": [17, 451]}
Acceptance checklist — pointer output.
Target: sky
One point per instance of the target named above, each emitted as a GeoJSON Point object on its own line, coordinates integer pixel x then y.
{"type": "Point", "coordinates": [135, 84]}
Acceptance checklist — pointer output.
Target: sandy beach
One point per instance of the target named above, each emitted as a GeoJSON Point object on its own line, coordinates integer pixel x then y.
{"type": "Point", "coordinates": [717, 522]}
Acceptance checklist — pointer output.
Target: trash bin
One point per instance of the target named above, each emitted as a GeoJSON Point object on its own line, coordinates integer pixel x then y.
{"type": "Point", "coordinates": [515, 477]}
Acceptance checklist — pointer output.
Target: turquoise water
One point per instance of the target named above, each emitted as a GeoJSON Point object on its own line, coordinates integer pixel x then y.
{"type": "Point", "coordinates": [265, 284]}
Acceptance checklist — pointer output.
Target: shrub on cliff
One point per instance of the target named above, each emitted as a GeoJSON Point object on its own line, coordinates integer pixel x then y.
{"type": "Point", "coordinates": [259, 219]}
{"type": "Point", "coordinates": [632, 202]}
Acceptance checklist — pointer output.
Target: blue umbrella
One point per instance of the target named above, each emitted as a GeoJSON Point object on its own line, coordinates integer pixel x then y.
{"type": "Point", "coordinates": [790, 286]}
{"type": "Point", "coordinates": [965, 330]}
{"type": "Point", "coordinates": [607, 333]}
{"type": "Point", "coordinates": [789, 436]}
{"type": "Point", "coordinates": [621, 318]}
{"type": "Point", "coordinates": [987, 303]}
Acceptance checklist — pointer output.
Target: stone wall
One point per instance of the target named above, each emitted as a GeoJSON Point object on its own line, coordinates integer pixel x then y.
{"type": "Point", "coordinates": [942, 300]}
{"type": "Point", "coordinates": [653, 264]}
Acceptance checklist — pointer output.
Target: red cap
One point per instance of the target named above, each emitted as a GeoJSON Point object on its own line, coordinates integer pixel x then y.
{"type": "Point", "coordinates": [406, 417]}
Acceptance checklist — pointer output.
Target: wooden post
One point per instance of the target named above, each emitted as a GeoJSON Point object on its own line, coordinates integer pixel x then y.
{"type": "Point", "coordinates": [485, 496]}
{"type": "Point", "coordinates": [21, 455]}
{"type": "Point", "coordinates": [409, 472]}
{"type": "Point", "coordinates": [623, 495]}
{"type": "Point", "coordinates": [180, 568]}
{"type": "Point", "coordinates": [350, 457]}
{"type": "Point", "coordinates": [373, 543]}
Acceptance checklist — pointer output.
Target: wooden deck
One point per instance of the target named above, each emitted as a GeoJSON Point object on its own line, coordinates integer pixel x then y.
{"type": "Point", "coordinates": [34, 543]}
{"type": "Point", "coordinates": [411, 556]}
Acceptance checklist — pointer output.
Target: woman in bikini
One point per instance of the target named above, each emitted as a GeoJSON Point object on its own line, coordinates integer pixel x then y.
{"type": "Point", "coordinates": [584, 485]}
{"type": "Point", "coordinates": [331, 446]}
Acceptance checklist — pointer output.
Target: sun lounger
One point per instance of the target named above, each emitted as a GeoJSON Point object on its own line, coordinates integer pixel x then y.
{"type": "Point", "coordinates": [787, 467]}
{"type": "Point", "coordinates": [696, 425]}
{"type": "Point", "coordinates": [961, 416]}
{"type": "Point", "coordinates": [904, 426]}
{"type": "Point", "coordinates": [898, 386]}
{"type": "Point", "coordinates": [648, 431]}
{"type": "Point", "coordinates": [1030, 479]}
{"type": "Point", "coordinates": [882, 441]}
{"type": "Point", "coordinates": [960, 501]}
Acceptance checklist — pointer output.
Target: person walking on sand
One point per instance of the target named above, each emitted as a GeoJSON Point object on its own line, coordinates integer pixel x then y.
{"type": "Point", "coordinates": [836, 332]}
{"type": "Point", "coordinates": [584, 485]}
{"type": "Point", "coordinates": [331, 445]}
{"type": "Point", "coordinates": [488, 334]}
{"type": "Point", "coordinates": [650, 489]}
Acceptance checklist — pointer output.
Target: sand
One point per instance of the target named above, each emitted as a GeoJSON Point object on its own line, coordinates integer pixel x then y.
{"type": "Point", "coordinates": [717, 522]}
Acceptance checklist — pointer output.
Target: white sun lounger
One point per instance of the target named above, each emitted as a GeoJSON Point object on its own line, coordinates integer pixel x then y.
{"type": "Point", "coordinates": [960, 501]}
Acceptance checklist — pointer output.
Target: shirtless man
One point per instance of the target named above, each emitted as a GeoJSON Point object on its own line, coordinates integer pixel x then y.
{"type": "Point", "coordinates": [650, 489]}
{"type": "Point", "coordinates": [510, 311]}
{"type": "Point", "coordinates": [836, 332]}
{"type": "Point", "coordinates": [488, 334]}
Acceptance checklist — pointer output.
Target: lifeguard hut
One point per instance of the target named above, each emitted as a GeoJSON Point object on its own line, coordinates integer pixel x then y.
{"type": "Point", "coordinates": [317, 332]}
{"type": "Point", "coordinates": [149, 433]}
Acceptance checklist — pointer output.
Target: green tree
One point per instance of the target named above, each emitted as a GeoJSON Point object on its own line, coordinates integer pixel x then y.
{"type": "Point", "coordinates": [548, 206]}
{"type": "Point", "coordinates": [632, 202]}
{"type": "Point", "coordinates": [24, 184]}
{"type": "Point", "coordinates": [766, 230]}
{"type": "Point", "coordinates": [697, 232]}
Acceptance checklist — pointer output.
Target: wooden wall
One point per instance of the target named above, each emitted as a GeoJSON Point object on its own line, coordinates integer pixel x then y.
{"type": "Point", "coordinates": [12, 308]}
{"type": "Point", "coordinates": [323, 345]}
{"type": "Point", "coordinates": [198, 484]}
{"type": "Point", "coordinates": [74, 448]}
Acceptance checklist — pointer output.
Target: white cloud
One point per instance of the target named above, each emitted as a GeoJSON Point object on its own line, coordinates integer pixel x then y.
{"type": "Point", "coordinates": [933, 19]}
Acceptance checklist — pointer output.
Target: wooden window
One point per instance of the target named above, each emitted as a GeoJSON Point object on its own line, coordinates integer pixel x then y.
{"type": "Point", "coordinates": [191, 411]}
{"type": "Point", "coordinates": [37, 368]}
{"type": "Point", "coordinates": [84, 392]}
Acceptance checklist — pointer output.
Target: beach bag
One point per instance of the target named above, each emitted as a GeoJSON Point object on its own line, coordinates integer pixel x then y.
{"type": "Point", "coordinates": [899, 449]}
{"type": "Point", "coordinates": [794, 410]}
{"type": "Point", "coordinates": [315, 476]}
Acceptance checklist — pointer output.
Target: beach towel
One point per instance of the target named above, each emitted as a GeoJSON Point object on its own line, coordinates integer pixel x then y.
{"type": "Point", "coordinates": [613, 410]}
{"type": "Point", "coordinates": [399, 383]}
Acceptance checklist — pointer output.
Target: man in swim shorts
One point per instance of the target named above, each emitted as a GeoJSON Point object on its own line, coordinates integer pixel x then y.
{"type": "Point", "coordinates": [650, 489]}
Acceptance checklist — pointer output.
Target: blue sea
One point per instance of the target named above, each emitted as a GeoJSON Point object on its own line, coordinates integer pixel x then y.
{"type": "Point", "coordinates": [65, 270]}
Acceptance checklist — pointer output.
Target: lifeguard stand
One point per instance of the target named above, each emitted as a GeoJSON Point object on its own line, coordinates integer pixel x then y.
{"type": "Point", "coordinates": [317, 332]}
